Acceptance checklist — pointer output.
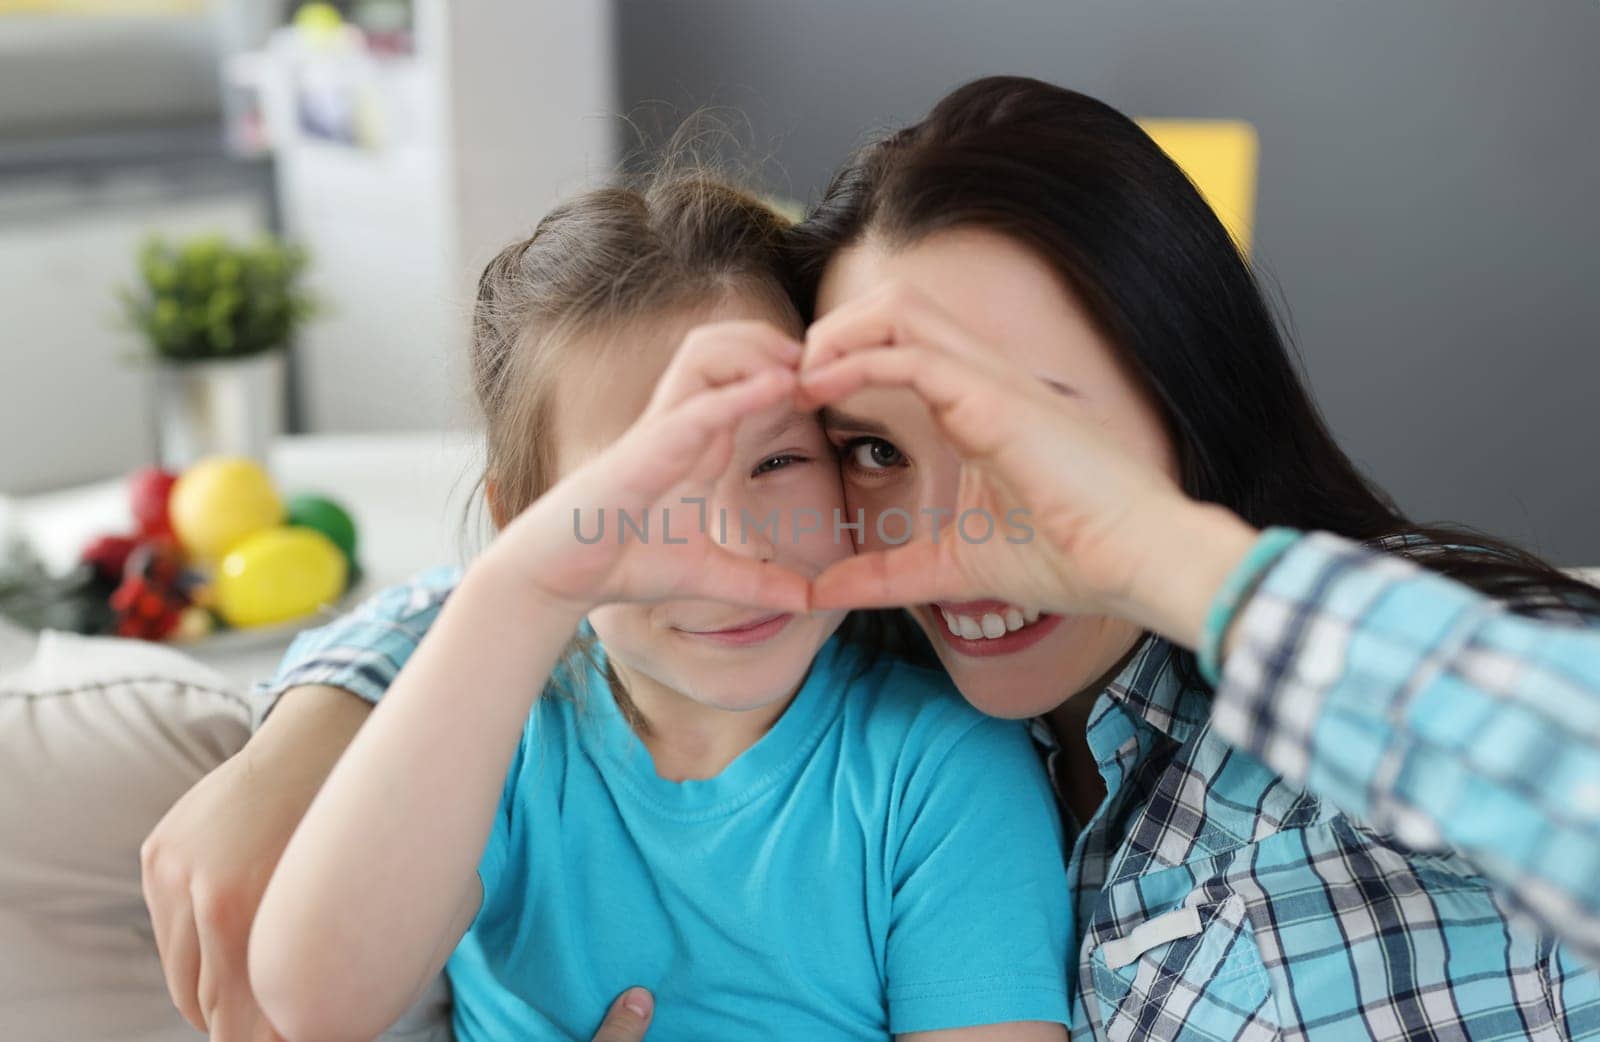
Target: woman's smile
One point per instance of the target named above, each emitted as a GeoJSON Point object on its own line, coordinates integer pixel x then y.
{"type": "Point", "coordinates": [990, 627]}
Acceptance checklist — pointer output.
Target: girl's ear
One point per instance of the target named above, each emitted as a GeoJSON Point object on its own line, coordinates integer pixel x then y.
{"type": "Point", "coordinates": [491, 495]}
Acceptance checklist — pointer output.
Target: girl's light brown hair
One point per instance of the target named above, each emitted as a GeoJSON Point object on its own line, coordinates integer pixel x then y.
{"type": "Point", "coordinates": [678, 242]}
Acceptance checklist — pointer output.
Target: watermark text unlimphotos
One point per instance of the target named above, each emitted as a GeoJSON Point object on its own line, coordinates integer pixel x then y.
{"type": "Point", "coordinates": [892, 527]}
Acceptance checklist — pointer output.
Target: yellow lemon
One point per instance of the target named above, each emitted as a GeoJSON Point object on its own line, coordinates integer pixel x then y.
{"type": "Point", "coordinates": [218, 502]}
{"type": "Point", "coordinates": [278, 575]}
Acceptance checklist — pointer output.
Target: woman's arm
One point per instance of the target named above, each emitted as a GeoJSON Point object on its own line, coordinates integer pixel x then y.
{"type": "Point", "coordinates": [378, 883]}
{"type": "Point", "coordinates": [205, 864]}
{"type": "Point", "coordinates": [1426, 709]}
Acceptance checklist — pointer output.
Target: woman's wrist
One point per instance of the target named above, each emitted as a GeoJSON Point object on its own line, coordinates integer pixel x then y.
{"type": "Point", "coordinates": [1228, 603]}
{"type": "Point", "coordinates": [1187, 557]}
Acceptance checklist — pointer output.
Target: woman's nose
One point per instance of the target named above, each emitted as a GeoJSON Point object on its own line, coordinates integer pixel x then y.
{"type": "Point", "coordinates": [936, 499]}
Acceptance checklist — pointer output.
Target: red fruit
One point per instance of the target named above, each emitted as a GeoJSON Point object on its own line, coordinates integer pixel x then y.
{"type": "Point", "coordinates": [153, 594]}
{"type": "Point", "coordinates": [108, 555]}
{"type": "Point", "coordinates": [157, 561]}
{"type": "Point", "coordinates": [148, 492]}
{"type": "Point", "coordinates": [145, 611]}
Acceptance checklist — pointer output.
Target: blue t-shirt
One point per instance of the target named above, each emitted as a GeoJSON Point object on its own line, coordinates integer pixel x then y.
{"type": "Point", "coordinates": [885, 859]}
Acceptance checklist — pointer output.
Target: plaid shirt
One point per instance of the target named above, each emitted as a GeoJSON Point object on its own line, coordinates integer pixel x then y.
{"type": "Point", "coordinates": [1430, 712]}
{"type": "Point", "coordinates": [1215, 899]}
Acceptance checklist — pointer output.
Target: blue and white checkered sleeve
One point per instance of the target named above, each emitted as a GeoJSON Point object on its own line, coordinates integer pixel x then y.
{"type": "Point", "coordinates": [1426, 709]}
{"type": "Point", "coordinates": [363, 650]}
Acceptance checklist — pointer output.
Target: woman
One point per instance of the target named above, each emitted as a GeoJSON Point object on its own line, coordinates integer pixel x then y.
{"type": "Point", "coordinates": [1025, 305]}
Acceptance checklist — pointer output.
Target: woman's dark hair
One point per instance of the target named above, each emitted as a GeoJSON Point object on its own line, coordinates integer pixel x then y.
{"type": "Point", "coordinates": [1085, 188]}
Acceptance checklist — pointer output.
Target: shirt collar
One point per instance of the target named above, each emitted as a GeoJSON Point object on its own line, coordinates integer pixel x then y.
{"type": "Point", "coordinates": [1150, 689]}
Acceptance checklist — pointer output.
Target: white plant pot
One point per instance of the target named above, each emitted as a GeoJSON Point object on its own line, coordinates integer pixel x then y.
{"type": "Point", "coordinates": [229, 407]}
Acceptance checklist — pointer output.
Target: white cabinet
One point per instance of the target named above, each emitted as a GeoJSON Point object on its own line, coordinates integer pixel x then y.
{"type": "Point", "coordinates": [503, 109]}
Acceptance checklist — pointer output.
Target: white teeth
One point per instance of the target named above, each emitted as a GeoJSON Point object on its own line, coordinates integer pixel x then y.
{"type": "Point", "coordinates": [991, 625]}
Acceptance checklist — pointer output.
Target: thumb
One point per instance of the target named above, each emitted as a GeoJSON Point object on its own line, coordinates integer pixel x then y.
{"type": "Point", "coordinates": [628, 1018]}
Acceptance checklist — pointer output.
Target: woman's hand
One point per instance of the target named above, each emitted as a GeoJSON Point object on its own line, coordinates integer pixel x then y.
{"type": "Point", "coordinates": [206, 864]}
{"type": "Point", "coordinates": [1110, 534]}
{"type": "Point", "coordinates": [661, 468]}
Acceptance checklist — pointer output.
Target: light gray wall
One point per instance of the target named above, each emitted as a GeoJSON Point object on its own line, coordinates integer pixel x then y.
{"type": "Point", "coordinates": [1427, 205]}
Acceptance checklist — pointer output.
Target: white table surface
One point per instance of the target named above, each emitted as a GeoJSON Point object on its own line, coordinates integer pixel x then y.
{"type": "Point", "coordinates": [407, 493]}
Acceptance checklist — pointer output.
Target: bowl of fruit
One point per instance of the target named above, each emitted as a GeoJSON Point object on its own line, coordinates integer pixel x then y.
{"type": "Point", "coordinates": [215, 553]}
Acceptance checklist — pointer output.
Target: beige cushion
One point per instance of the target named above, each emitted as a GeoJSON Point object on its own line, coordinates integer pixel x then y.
{"type": "Point", "coordinates": [97, 739]}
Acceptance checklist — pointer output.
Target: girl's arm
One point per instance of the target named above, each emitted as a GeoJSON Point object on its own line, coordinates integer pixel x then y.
{"type": "Point", "coordinates": [207, 863]}
{"type": "Point", "coordinates": [378, 883]}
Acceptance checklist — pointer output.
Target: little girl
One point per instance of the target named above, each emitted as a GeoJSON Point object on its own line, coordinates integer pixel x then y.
{"type": "Point", "coordinates": [663, 771]}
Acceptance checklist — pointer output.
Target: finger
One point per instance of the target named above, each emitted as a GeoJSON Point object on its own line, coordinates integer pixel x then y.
{"type": "Point", "coordinates": [261, 1029]}
{"type": "Point", "coordinates": [226, 1000]}
{"type": "Point", "coordinates": [178, 947]}
{"type": "Point", "coordinates": [724, 353]}
{"type": "Point", "coordinates": [895, 314]}
{"type": "Point", "coordinates": [715, 460]}
{"type": "Point", "coordinates": [166, 895]}
{"type": "Point", "coordinates": [915, 573]}
{"type": "Point", "coordinates": [656, 456]}
{"type": "Point", "coordinates": [239, 1019]}
{"type": "Point", "coordinates": [629, 1017]}
{"type": "Point", "coordinates": [942, 381]}
{"type": "Point", "coordinates": [734, 579]}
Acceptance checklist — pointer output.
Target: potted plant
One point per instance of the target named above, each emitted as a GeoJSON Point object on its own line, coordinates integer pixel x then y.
{"type": "Point", "coordinates": [217, 317]}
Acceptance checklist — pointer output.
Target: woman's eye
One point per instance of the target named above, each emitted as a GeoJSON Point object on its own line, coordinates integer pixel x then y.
{"type": "Point", "coordinates": [873, 454]}
{"type": "Point", "coordinates": [778, 462]}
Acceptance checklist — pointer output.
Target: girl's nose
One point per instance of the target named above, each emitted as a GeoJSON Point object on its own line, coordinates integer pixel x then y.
{"type": "Point", "coordinates": [757, 545]}
{"type": "Point", "coordinates": [743, 529]}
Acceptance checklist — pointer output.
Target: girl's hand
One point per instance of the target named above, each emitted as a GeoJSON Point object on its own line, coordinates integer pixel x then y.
{"type": "Point", "coordinates": [666, 461]}
{"type": "Point", "coordinates": [1111, 535]}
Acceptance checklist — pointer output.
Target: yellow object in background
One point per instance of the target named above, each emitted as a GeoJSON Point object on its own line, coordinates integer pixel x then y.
{"type": "Point", "coordinates": [319, 21]}
{"type": "Point", "coordinates": [278, 575]}
{"type": "Point", "coordinates": [1220, 156]}
{"type": "Point", "coordinates": [218, 502]}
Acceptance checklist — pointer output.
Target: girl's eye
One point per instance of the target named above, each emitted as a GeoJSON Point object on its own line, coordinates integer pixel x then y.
{"type": "Point", "coordinates": [778, 462]}
{"type": "Point", "coordinates": [873, 454]}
